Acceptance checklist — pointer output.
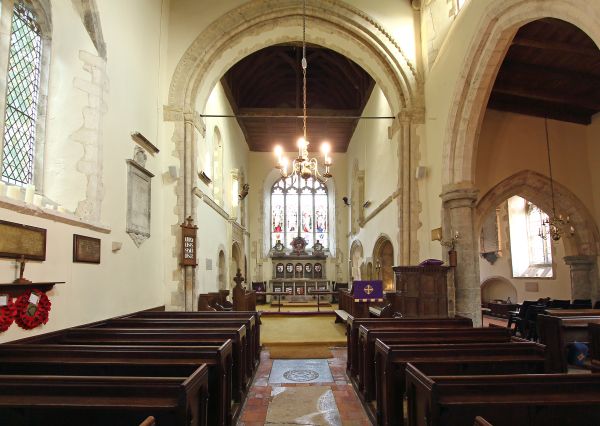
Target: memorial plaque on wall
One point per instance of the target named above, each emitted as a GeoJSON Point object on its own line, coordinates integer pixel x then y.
{"type": "Point", "coordinates": [86, 249]}
{"type": "Point", "coordinates": [138, 202]}
{"type": "Point", "coordinates": [279, 270]}
{"type": "Point", "coordinates": [18, 240]}
{"type": "Point", "coordinates": [318, 270]}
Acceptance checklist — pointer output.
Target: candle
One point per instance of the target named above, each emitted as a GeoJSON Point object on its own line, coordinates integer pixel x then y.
{"type": "Point", "coordinates": [14, 192]}
{"type": "Point", "coordinates": [29, 193]}
{"type": "Point", "coordinates": [37, 200]}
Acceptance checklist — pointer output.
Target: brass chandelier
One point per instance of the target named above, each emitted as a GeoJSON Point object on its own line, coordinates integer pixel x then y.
{"type": "Point", "coordinates": [302, 165]}
{"type": "Point", "coordinates": [554, 226]}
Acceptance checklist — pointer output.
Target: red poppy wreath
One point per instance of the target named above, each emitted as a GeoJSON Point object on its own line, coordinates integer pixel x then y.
{"type": "Point", "coordinates": [7, 314]}
{"type": "Point", "coordinates": [32, 309]}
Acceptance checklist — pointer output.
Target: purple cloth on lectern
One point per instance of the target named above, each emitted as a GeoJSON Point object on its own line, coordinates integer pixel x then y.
{"type": "Point", "coordinates": [367, 289]}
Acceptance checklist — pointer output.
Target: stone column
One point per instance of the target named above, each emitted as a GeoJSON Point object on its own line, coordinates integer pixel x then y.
{"type": "Point", "coordinates": [581, 276]}
{"type": "Point", "coordinates": [188, 176]}
{"type": "Point", "coordinates": [459, 217]}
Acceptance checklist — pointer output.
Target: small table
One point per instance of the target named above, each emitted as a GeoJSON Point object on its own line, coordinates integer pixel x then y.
{"type": "Point", "coordinates": [320, 293]}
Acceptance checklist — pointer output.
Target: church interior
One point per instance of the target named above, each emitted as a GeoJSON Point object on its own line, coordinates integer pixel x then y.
{"type": "Point", "coordinates": [329, 212]}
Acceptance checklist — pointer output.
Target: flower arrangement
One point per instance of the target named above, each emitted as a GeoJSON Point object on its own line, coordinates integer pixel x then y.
{"type": "Point", "coordinates": [451, 243]}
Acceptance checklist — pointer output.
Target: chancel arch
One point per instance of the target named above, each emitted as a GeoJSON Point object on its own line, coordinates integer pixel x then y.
{"type": "Point", "coordinates": [383, 258]}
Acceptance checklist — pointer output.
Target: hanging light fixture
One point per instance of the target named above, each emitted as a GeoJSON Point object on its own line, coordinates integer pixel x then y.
{"type": "Point", "coordinates": [304, 166]}
{"type": "Point", "coordinates": [554, 226]}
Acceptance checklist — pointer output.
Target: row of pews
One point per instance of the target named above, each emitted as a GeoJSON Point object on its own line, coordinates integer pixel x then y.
{"type": "Point", "coordinates": [450, 373]}
{"type": "Point", "coordinates": [152, 367]}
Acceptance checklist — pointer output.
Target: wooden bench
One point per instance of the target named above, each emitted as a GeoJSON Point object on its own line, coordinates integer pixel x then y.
{"type": "Point", "coordinates": [366, 361]}
{"type": "Point", "coordinates": [341, 316]}
{"type": "Point", "coordinates": [445, 359]}
{"type": "Point", "coordinates": [164, 337]}
{"type": "Point", "coordinates": [353, 323]}
{"type": "Point", "coordinates": [134, 361]}
{"type": "Point", "coordinates": [504, 400]}
{"type": "Point", "coordinates": [594, 339]}
{"type": "Point", "coordinates": [63, 400]}
{"type": "Point", "coordinates": [557, 332]}
{"type": "Point", "coordinates": [252, 316]}
{"type": "Point", "coordinates": [480, 421]}
{"type": "Point", "coordinates": [189, 323]}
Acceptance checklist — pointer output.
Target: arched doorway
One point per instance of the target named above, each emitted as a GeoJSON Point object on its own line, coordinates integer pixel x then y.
{"type": "Point", "coordinates": [236, 261]}
{"type": "Point", "coordinates": [383, 258]}
{"type": "Point", "coordinates": [222, 273]}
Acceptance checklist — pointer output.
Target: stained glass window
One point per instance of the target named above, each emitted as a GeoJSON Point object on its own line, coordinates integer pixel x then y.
{"type": "Point", "coordinates": [299, 207]}
{"type": "Point", "coordinates": [22, 90]}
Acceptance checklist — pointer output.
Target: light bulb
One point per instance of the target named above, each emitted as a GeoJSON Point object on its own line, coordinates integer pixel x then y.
{"type": "Point", "coordinates": [325, 148]}
{"type": "Point", "coordinates": [301, 143]}
{"type": "Point", "coordinates": [278, 151]}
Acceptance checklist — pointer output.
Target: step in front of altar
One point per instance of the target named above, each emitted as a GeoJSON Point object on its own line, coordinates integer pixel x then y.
{"type": "Point", "coordinates": [300, 303]}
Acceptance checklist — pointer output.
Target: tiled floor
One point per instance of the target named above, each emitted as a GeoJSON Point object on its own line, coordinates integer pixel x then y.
{"type": "Point", "coordinates": [262, 392]}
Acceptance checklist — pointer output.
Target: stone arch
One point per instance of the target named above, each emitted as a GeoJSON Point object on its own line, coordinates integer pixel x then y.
{"type": "Point", "coordinates": [356, 260]}
{"type": "Point", "coordinates": [498, 25]}
{"type": "Point", "coordinates": [332, 23]}
{"type": "Point", "coordinates": [498, 287]}
{"type": "Point", "coordinates": [222, 272]}
{"type": "Point", "coordinates": [236, 260]}
{"type": "Point", "coordinates": [383, 259]}
{"type": "Point", "coordinates": [535, 187]}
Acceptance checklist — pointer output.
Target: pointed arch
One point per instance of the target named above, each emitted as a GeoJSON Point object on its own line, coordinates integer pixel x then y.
{"type": "Point", "coordinates": [535, 187]}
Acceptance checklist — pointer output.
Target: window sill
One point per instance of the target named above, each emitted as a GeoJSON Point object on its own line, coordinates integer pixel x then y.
{"type": "Point", "coordinates": [51, 214]}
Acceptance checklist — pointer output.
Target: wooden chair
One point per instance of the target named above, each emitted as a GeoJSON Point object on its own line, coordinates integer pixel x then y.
{"type": "Point", "coordinates": [518, 319]}
{"type": "Point", "coordinates": [559, 304]}
{"type": "Point", "coordinates": [581, 304]}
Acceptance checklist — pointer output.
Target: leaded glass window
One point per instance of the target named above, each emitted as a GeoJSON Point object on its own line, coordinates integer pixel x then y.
{"type": "Point", "coordinates": [299, 207]}
{"type": "Point", "coordinates": [22, 95]}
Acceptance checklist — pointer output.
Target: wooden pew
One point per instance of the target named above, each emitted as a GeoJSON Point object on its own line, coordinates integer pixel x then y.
{"type": "Point", "coordinates": [366, 362]}
{"type": "Point", "coordinates": [53, 400]}
{"type": "Point", "coordinates": [557, 332]}
{"type": "Point", "coordinates": [135, 361]}
{"type": "Point", "coordinates": [163, 337]}
{"type": "Point", "coordinates": [594, 339]}
{"type": "Point", "coordinates": [189, 324]}
{"type": "Point", "coordinates": [455, 359]}
{"type": "Point", "coordinates": [252, 317]}
{"type": "Point", "coordinates": [353, 323]}
{"type": "Point", "coordinates": [504, 400]}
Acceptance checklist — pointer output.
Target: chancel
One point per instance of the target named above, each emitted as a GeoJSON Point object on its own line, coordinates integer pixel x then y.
{"type": "Point", "coordinates": [203, 203]}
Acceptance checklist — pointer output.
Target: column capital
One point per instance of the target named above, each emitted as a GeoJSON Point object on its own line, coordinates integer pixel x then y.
{"type": "Point", "coordinates": [459, 196]}
{"type": "Point", "coordinates": [581, 261]}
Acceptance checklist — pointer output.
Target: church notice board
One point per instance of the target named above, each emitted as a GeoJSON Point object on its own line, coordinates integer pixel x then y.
{"type": "Point", "coordinates": [22, 241]}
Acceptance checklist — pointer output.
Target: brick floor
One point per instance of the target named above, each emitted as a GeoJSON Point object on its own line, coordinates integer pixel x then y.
{"type": "Point", "coordinates": [351, 411]}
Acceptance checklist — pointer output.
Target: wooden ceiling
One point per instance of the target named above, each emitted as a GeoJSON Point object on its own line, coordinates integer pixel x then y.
{"type": "Point", "coordinates": [268, 84]}
{"type": "Point", "coordinates": [552, 69]}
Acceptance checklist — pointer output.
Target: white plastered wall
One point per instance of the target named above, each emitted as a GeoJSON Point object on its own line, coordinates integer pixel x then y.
{"type": "Point", "coordinates": [377, 155]}
{"type": "Point", "coordinates": [130, 279]}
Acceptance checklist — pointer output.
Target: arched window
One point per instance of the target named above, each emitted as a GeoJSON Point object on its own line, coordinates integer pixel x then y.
{"type": "Point", "coordinates": [531, 255]}
{"type": "Point", "coordinates": [299, 208]}
{"type": "Point", "coordinates": [22, 97]}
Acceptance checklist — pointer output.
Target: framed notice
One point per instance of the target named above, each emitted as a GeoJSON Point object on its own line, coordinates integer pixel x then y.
{"type": "Point", "coordinates": [22, 240]}
{"type": "Point", "coordinates": [86, 249]}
